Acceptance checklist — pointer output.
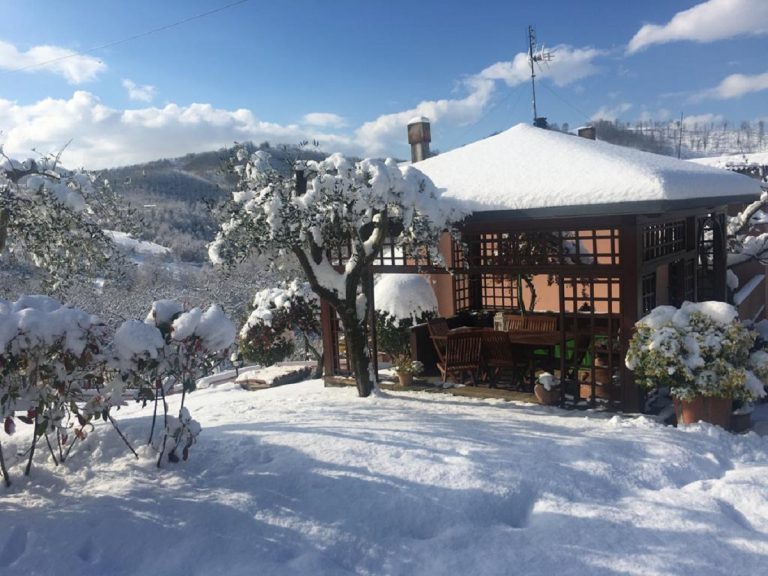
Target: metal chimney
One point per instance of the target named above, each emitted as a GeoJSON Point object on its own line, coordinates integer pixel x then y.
{"type": "Point", "coordinates": [419, 137]}
{"type": "Point", "coordinates": [587, 132]}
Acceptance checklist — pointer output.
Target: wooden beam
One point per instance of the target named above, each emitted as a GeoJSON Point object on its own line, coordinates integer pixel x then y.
{"type": "Point", "coordinates": [631, 308]}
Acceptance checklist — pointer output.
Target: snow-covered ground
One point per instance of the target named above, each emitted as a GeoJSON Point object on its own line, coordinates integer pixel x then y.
{"type": "Point", "coordinates": [306, 480]}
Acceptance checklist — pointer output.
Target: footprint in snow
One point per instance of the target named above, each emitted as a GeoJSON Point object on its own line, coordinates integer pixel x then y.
{"type": "Point", "coordinates": [88, 552]}
{"type": "Point", "coordinates": [14, 546]}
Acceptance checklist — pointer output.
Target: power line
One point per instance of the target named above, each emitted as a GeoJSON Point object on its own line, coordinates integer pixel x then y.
{"type": "Point", "coordinates": [514, 91]}
{"type": "Point", "coordinates": [562, 99]}
{"type": "Point", "coordinates": [131, 38]}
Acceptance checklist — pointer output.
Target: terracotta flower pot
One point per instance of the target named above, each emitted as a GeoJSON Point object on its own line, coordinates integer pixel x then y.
{"type": "Point", "coordinates": [713, 410]}
{"type": "Point", "coordinates": [405, 379]}
{"type": "Point", "coordinates": [547, 397]}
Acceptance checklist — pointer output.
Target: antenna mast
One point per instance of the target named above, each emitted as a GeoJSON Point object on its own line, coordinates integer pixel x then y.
{"type": "Point", "coordinates": [534, 58]}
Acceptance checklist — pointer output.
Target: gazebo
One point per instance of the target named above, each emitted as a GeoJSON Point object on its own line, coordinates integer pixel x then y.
{"type": "Point", "coordinates": [585, 232]}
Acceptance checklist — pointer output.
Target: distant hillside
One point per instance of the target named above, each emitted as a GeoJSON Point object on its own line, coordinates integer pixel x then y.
{"type": "Point", "coordinates": [698, 139]}
{"type": "Point", "coordinates": [171, 194]}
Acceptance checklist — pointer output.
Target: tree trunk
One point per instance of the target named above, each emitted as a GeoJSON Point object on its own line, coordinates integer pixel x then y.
{"type": "Point", "coordinates": [4, 220]}
{"type": "Point", "coordinates": [358, 355]}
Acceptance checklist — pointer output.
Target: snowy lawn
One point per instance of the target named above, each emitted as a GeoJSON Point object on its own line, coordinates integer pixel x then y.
{"type": "Point", "coordinates": [306, 480]}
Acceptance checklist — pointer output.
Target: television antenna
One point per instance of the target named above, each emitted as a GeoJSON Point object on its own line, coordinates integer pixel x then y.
{"type": "Point", "coordinates": [535, 58]}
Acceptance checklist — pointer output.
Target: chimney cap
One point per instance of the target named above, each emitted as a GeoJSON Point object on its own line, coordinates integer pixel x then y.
{"type": "Point", "coordinates": [418, 120]}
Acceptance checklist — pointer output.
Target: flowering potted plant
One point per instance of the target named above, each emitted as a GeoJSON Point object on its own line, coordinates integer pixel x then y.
{"type": "Point", "coordinates": [547, 389]}
{"type": "Point", "coordinates": [406, 369]}
{"type": "Point", "coordinates": [704, 354]}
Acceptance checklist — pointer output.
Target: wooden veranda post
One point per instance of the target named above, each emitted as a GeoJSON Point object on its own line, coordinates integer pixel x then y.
{"type": "Point", "coordinates": [631, 305]}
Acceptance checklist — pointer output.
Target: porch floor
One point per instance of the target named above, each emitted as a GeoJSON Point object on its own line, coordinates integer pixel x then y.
{"type": "Point", "coordinates": [435, 385]}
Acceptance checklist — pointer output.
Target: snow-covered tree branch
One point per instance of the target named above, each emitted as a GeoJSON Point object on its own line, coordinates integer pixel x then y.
{"type": "Point", "coordinates": [55, 218]}
{"type": "Point", "coordinates": [329, 208]}
{"type": "Point", "coordinates": [742, 245]}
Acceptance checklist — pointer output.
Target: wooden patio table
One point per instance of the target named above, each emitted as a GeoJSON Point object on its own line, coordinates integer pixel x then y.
{"type": "Point", "coordinates": [532, 341]}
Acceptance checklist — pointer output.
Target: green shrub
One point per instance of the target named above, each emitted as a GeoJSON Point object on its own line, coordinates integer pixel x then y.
{"type": "Point", "coordinates": [700, 349]}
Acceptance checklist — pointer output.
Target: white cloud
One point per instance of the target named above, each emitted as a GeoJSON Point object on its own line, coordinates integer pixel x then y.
{"type": "Point", "coordinates": [139, 93]}
{"type": "Point", "coordinates": [323, 119]}
{"type": "Point", "coordinates": [698, 120]}
{"type": "Point", "coordinates": [76, 68]}
{"type": "Point", "coordinates": [734, 86]}
{"type": "Point", "coordinates": [569, 65]}
{"type": "Point", "coordinates": [706, 22]}
{"type": "Point", "coordinates": [660, 115]}
{"type": "Point", "coordinates": [611, 112]}
{"type": "Point", "coordinates": [103, 136]}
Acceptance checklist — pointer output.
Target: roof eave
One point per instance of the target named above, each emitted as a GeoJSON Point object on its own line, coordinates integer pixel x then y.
{"type": "Point", "coordinates": [637, 208]}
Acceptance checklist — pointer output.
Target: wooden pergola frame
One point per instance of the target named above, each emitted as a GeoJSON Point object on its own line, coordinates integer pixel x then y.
{"type": "Point", "coordinates": [685, 239]}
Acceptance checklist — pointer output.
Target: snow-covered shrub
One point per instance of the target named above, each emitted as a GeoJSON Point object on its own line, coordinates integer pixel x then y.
{"type": "Point", "coordinates": [172, 347]}
{"type": "Point", "coordinates": [700, 349]}
{"type": "Point", "coordinates": [403, 364]}
{"type": "Point", "coordinates": [278, 317]}
{"type": "Point", "coordinates": [58, 372]}
{"type": "Point", "coordinates": [49, 356]}
{"type": "Point", "coordinates": [401, 301]}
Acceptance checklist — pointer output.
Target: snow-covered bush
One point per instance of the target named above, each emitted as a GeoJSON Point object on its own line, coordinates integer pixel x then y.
{"type": "Point", "coordinates": [59, 373]}
{"type": "Point", "coordinates": [403, 364]}
{"type": "Point", "coordinates": [401, 301]}
{"type": "Point", "coordinates": [172, 347]}
{"type": "Point", "coordinates": [278, 317]}
{"type": "Point", "coordinates": [700, 349]}
{"type": "Point", "coordinates": [327, 209]}
{"type": "Point", "coordinates": [49, 356]}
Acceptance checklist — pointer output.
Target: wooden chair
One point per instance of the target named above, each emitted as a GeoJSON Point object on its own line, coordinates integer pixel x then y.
{"type": "Point", "coordinates": [514, 323]}
{"type": "Point", "coordinates": [438, 332]}
{"type": "Point", "coordinates": [517, 323]}
{"type": "Point", "coordinates": [540, 323]}
{"type": "Point", "coordinates": [499, 354]}
{"type": "Point", "coordinates": [463, 355]}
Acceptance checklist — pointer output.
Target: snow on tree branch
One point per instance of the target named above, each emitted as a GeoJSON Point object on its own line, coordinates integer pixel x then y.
{"type": "Point", "coordinates": [334, 217]}
{"type": "Point", "coordinates": [55, 218]}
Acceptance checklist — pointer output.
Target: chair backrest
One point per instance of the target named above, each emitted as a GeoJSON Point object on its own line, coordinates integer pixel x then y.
{"type": "Point", "coordinates": [517, 323]}
{"type": "Point", "coordinates": [541, 323]}
{"type": "Point", "coordinates": [463, 349]}
{"type": "Point", "coordinates": [496, 347]}
{"type": "Point", "coordinates": [514, 323]}
{"type": "Point", "coordinates": [438, 327]}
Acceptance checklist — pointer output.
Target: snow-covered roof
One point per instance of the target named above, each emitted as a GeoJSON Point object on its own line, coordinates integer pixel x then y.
{"type": "Point", "coordinates": [418, 120]}
{"type": "Point", "coordinates": [527, 168]}
{"type": "Point", "coordinates": [735, 160]}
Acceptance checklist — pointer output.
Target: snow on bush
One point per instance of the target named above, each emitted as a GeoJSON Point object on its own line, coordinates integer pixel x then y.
{"type": "Point", "coordinates": [174, 346]}
{"type": "Point", "coordinates": [280, 315]}
{"type": "Point", "coordinates": [401, 301]}
{"type": "Point", "coordinates": [59, 371]}
{"type": "Point", "coordinates": [49, 355]}
{"type": "Point", "coordinates": [404, 296]}
{"type": "Point", "coordinates": [700, 349]}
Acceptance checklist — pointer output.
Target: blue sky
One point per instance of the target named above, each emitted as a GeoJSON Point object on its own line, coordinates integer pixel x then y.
{"type": "Point", "coordinates": [350, 73]}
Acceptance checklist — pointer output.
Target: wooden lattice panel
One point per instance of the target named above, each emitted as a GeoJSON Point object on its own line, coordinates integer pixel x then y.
{"type": "Point", "coordinates": [663, 239]}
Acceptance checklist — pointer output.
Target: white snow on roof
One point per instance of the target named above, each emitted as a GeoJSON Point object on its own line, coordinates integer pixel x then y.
{"type": "Point", "coordinates": [527, 167]}
{"type": "Point", "coordinates": [418, 120]}
{"type": "Point", "coordinates": [756, 158]}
